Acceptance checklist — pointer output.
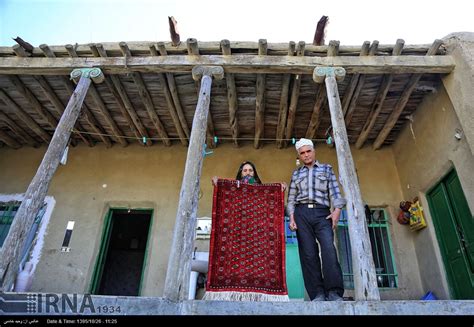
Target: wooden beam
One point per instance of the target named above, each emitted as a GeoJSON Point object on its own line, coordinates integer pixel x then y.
{"type": "Point", "coordinates": [18, 130]}
{"type": "Point", "coordinates": [37, 190]}
{"type": "Point", "coordinates": [146, 97]}
{"type": "Point", "coordinates": [117, 133]}
{"type": "Point", "coordinates": [355, 98]}
{"type": "Point", "coordinates": [175, 39]}
{"type": "Point", "coordinates": [20, 51]}
{"type": "Point", "coordinates": [193, 49]}
{"type": "Point", "coordinates": [260, 99]}
{"type": "Point", "coordinates": [58, 105]}
{"type": "Point", "coordinates": [179, 263]}
{"type": "Point", "coordinates": [91, 120]}
{"type": "Point", "coordinates": [174, 93]}
{"type": "Point", "coordinates": [44, 114]}
{"type": "Point", "coordinates": [357, 84]}
{"type": "Point", "coordinates": [379, 100]}
{"type": "Point", "coordinates": [402, 101]}
{"type": "Point", "coordinates": [283, 112]}
{"type": "Point", "coordinates": [365, 280]}
{"type": "Point", "coordinates": [333, 49]}
{"type": "Point", "coordinates": [231, 96]}
{"type": "Point", "coordinates": [172, 109]}
{"type": "Point", "coordinates": [295, 94]}
{"type": "Point", "coordinates": [193, 52]}
{"type": "Point", "coordinates": [25, 117]}
{"type": "Point", "coordinates": [237, 63]}
{"type": "Point", "coordinates": [279, 49]}
{"type": "Point", "coordinates": [125, 105]}
{"type": "Point", "coordinates": [354, 80]}
{"type": "Point", "coordinates": [8, 140]}
{"type": "Point", "coordinates": [317, 108]}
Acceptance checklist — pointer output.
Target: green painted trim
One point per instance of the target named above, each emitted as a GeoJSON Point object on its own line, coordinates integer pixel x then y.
{"type": "Point", "coordinates": [100, 256]}
{"type": "Point", "coordinates": [145, 255]}
{"type": "Point", "coordinates": [395, 272]}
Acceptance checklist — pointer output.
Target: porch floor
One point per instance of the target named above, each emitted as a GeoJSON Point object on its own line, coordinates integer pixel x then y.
{"type": "Point", "coordinates": [70, 304]}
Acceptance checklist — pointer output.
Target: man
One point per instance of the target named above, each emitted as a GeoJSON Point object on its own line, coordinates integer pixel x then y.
{"type": "Point", "coordinates": [312, 189]}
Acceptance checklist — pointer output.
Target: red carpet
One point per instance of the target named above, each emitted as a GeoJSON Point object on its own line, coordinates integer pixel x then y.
{"type": "Point", "coordinates": [247, 250]}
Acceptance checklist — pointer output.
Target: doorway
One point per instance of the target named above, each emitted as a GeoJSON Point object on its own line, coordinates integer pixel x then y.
{"type": "Point", "coordinates": [122, 255]}
{"type": "Point", "coordinates": [454, 226]}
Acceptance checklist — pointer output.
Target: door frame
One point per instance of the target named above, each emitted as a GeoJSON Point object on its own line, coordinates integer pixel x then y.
{"type": "Point", "coordinates": [439, 235]}
{"type": "Point", "coordinates": [104, 247]}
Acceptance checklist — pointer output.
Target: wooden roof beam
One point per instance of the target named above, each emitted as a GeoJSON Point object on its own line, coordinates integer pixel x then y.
{"type": "Point", "coordinates": [354, 80]}
{"type": "Point", "coordinates": [295, 94]}
{"type": "Point", "coordinates": [379, 100]}
{"type": "Point", "coordinates": [18, 130]}
{"type": "Point", "coordinates": [283, 112]}
{"type": "Point", "coordinates": [170, 100]}
{"type": "Point", "coordinates": [25, 117]}
{"type": "Point", "coordinates": [126, 108]}
{"type": "Point", "coordinates": [117, 133]}
{"type": "Point", "coordinates": [193, 51]}
{"type": "Point", "coordinates": [68, 84]}
{"type": "Point", "coordinates": [48, 91]}
{"type": "Point", "coordinates": [8, 140]}
{"type": "Point", "coordinates": [174, 92]}
{"type": "Point", "coordinates": [279, 49]}
{"type": "Point", "coordinates": [146, 98]}
{"type": "Point", "coordinates": [260, 99]}
{"type": "Point", "coordinates": [402, 101]}
{"type": "Point", "coordinates": [231, 96]}
{"type": "Point", "coordinates": [237, 63]}
{"type": "Point", "coordinates": [92, 91]}
{"type": "Point", "coordinates": [317, 108]}
{"type": "Point", "coordinates": [45, 115]}
{"type": "Point", "coordinates": [59, 107]}
{"type": "Point", "coordinates": [360, 84]}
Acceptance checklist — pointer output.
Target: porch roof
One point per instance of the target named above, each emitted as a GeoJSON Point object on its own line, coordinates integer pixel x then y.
{"type": "Point", "coordinates": [267, 95]}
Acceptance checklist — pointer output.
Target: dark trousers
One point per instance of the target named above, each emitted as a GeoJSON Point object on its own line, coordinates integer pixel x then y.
{"type": "Point", "coordinates": [312, 224]}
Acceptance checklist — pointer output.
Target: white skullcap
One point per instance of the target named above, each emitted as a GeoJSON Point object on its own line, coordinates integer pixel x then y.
{"type": "Point", "coordinates": [303, 142]}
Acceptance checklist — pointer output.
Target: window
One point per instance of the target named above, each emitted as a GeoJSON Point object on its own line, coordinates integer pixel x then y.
{"type": "Point", "coordinates": [381, 249]}
{"type": "Point", "coordinates": [7, 212]}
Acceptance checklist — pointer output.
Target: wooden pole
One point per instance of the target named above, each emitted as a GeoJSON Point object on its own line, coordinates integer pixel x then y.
{"type": "Point", "coordinates": [10, 253]}
{"type": "Point", "coordinates": [179, 263]}
{"type": "Point", "coordinates": [365, 281]}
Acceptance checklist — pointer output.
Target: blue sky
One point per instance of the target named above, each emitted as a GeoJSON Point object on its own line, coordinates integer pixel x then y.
{"type": "Point", "coordinates": [58, 22]}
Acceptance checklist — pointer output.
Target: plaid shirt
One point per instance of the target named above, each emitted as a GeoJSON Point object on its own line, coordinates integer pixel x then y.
{"type": "Point", "coordinates": [323, 186]}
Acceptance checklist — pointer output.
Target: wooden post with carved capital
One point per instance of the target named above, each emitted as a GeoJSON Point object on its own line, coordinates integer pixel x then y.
{"type": "Point", "coordinates": [365, 282]}
{"type": "Point", "coordinates": [10, 255]}
{"type": "Point", "coordinates": [179, 263]}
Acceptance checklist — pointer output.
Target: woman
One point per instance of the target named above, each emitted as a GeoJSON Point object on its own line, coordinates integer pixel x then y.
{"type": "Point", "coordinates": [247, 174]}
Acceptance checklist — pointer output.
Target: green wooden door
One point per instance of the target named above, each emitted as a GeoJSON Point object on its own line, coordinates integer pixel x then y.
{"type": "Point", "coordinates": [455, 232]}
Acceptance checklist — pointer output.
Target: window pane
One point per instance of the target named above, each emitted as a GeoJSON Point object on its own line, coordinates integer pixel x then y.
{"type": "Point", "coordinates": [381, 249]}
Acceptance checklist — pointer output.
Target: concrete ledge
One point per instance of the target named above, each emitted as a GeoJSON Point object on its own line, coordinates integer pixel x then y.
{"type": "Point", "coordinates": [84, 304]}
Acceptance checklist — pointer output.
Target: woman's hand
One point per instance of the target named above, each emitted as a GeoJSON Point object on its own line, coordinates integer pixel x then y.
{"type": "Point", "coordinates": [214, 180]}
{"type": "Point", "coordinates": [283, 186]}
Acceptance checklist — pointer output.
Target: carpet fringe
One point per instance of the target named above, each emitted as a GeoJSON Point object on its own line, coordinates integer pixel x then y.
{"type": "Point", "coordinates": [244, 296]}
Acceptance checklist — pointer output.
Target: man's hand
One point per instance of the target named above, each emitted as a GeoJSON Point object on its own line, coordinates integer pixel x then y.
{"type": "Point", "coordinates": [334, 216]}
{"type": "Point", "coordinates": [214, 180]}
{"type": "Point", "coordinates": [283, 186]}
{"type": "Point", "coordinates": [293, 226]}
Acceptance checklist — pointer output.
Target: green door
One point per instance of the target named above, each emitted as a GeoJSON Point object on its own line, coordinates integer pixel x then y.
{"type": "Point", "coordinates": [294, 275]}
{"type": "Point", "coordinates": [454, 227]}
